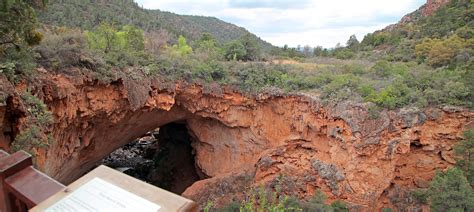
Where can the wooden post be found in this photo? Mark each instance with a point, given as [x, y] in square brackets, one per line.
[3, 197]
[22, 186]
[9, 165]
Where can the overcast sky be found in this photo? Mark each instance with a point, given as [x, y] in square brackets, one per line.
[297, 22]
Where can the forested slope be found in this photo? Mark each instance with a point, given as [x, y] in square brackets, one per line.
[440, 37]
[86, 14]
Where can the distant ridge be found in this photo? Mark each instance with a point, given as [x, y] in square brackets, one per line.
[87, 14]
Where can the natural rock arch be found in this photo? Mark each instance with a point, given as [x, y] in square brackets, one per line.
[268, 135]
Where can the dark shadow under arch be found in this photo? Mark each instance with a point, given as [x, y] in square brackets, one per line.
[164, 158]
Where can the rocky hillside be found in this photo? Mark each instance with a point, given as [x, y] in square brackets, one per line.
[439, 33]
[426, 10]
[87, 14]
[293, 141]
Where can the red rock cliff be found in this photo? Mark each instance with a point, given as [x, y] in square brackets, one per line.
[425, 10]
[242, 141]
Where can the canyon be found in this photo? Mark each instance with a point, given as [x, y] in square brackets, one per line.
[240, 141]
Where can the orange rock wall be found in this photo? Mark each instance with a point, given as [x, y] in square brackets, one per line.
[336, 148]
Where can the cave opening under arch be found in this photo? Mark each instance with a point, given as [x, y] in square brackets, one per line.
[163, 157]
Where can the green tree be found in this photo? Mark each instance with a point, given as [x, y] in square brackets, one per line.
[17, 34]
[376, 39]
[207, 48]
[108, 39]
[353, 43]
[318, 51]
[441, 52]
[104, 38]
[18, 23]
[120, 48]
[252, 49]
[132, 38]
[207, 37]
[182, 48]
[451, 192]
[235, 50]
[464, 150]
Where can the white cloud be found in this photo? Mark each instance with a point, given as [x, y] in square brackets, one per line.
[316, 22]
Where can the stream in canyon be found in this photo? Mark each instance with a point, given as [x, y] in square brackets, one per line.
[163, 157]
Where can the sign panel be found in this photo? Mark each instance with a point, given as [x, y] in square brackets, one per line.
[99, 195]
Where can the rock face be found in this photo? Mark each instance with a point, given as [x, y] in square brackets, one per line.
[241, 141]
[424, 11]
[432, 5]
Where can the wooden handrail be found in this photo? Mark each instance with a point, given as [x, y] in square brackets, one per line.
[22, 186]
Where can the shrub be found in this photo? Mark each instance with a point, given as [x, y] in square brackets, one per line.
[374, 111]
[344, 54]
[393, 96]
[208, 206]
[255, 77]
[18, 64]
[464, 150]
[29, 138]
[440, 52]
[339, 206]
[235, 51]
[382, 68]
[181, 48]
[232, 207]
[208, 72]
[341, 87]
[451, 192]
[124, 47]
[64, 47]
[317, 203]
[262, 199]
[8, 69]
[420, 195]
[39, 119]
[37, 109]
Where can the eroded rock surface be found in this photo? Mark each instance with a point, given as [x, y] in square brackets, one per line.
[241, 141]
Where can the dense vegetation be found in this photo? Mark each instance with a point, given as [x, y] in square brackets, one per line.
[18, 32]
[432, 74]
[444, 38]
[428, 60]
[387, 84]
[444, 41]
[126, 12]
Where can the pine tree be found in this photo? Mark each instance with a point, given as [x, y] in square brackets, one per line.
[18, 23]
[451, 192]
[353, 43]
[465, 151]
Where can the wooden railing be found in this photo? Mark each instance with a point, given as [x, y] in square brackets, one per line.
[22, 186]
